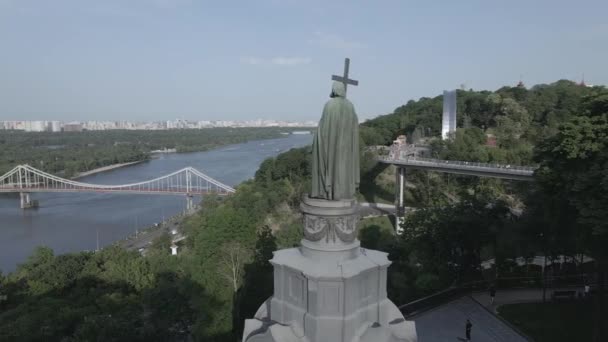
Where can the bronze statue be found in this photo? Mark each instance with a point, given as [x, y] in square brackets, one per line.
[335, 149]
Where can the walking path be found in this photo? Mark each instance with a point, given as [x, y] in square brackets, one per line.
[368, 209]
[447, 323]
[514, 296]
[376, 209]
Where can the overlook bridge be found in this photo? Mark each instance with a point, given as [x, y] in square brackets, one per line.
[514, 172]
[188, 181]
[405, 159]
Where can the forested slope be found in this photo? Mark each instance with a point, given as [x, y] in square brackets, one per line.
[222, 274]
[68, 153]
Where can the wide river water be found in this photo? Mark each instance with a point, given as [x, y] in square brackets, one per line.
[69, 222]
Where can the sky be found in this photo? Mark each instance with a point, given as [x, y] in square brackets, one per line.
[147, 60]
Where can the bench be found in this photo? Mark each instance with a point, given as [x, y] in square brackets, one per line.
[569, 294]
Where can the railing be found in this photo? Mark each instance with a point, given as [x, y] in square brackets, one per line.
[463, 165]
[428, 302]
[24, 178]
[562, 281]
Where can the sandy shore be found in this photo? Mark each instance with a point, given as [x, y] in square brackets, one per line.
[104, 169]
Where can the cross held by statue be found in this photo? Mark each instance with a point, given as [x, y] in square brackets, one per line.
[344, 79]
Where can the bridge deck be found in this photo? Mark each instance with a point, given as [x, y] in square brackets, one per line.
[143, 192]
[465, 168]
[187, 181]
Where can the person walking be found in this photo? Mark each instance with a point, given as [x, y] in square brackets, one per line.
[468, 327]
[587, 290]
[492, 294]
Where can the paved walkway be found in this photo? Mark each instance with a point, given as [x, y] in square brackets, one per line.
[514, 296]
[447, 323]
[376, 209]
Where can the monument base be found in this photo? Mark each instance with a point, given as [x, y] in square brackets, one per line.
[329, 289]
[341, 301]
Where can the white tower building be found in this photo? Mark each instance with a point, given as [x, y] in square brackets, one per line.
[448, 125]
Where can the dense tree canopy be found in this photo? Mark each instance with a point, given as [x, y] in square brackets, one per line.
[574, 177]
[222, 275]
[516, 115]
[120, 295]
[73, 152]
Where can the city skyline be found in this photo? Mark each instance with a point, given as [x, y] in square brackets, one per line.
[145, 60]
[76, 126]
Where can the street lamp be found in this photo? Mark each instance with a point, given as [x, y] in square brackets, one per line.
[544, 268]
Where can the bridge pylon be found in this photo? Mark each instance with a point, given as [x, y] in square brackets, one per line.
[188, 181]
[399, 199]
[26, 201]
[189, 202]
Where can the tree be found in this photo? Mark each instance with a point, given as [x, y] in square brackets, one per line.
[447, 241]
[232, 260]
[161, 244]
[467, 144]
[513, 124]
[417, 135]
[574, 168]
[258, 280]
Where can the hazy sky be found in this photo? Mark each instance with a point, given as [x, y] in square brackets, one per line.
[165, 59]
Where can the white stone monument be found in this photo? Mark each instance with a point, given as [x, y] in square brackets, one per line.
[329, 289]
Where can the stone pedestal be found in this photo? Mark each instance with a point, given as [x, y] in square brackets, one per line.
[329, 289]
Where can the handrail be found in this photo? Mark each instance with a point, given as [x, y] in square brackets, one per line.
[26, 170]
[464, 164]
[438, 298]
[422, 304]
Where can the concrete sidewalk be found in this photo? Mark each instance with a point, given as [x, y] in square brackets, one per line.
[513, 296]
[447, 323]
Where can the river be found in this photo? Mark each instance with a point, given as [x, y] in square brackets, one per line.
[69, 222]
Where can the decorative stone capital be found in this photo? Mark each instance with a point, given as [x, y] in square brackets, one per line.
[330, 222]
[330, 228]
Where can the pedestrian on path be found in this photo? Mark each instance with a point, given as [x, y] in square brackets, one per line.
[492, 294]
[468, 327]
[587, 290]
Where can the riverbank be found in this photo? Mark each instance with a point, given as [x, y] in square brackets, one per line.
[105, 168]
[143, 238]
[71, 222]
[155, 154]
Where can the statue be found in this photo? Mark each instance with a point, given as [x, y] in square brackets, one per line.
[335, 149]
[328, 288]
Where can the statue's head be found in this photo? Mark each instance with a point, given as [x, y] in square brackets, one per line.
[338, 90]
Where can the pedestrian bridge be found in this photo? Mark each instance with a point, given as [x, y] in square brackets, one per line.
[525, 173]
[188, 181]
[404, 160]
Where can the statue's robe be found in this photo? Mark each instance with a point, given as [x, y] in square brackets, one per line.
[335, 149]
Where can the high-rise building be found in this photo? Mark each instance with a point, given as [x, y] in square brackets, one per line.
[448, 126]
[35, 126]
[72, 127]
[55, 126]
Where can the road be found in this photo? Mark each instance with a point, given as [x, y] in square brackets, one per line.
[145, 238]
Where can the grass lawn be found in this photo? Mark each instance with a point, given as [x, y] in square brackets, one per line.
[552, 322]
